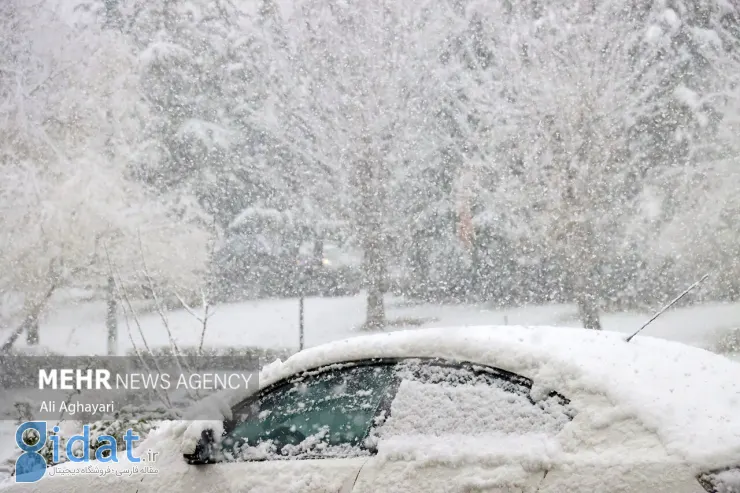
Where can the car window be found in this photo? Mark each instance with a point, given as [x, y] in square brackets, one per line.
[439, 399]
[322, 414]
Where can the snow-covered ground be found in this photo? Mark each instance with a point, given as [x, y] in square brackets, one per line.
[78, 329]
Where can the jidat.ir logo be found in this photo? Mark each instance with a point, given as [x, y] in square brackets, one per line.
[31, 437]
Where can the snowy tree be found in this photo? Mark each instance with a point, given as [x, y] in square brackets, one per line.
[201, 74]
[351, 104]
[523, 152]
[556, 103]
[68, 118]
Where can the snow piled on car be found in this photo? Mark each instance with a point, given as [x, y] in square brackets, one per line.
[689, 397]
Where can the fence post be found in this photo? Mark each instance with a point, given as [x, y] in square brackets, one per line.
[111, 320]
[300, 323]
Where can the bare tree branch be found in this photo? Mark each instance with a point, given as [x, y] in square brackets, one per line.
[165, 321]
[123, 296]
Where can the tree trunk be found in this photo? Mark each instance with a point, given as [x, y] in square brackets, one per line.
[585, 289]
[588, 311]
[375, 319]
[111, 320]
[32, 330]
[318, 250]
[375, 268]
[30, 321]
[370, 191]
[418, 276]
[584, 272]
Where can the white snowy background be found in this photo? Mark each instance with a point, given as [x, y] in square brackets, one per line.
[464, 162]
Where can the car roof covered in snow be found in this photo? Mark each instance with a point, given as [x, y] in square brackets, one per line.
[688, 396]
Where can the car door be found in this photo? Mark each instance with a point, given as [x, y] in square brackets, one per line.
[456, 427]
[307, 434]
[603, 433]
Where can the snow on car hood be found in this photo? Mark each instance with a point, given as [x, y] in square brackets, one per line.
[688, 396]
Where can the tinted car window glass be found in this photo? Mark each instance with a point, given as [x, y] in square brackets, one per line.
[325, 414]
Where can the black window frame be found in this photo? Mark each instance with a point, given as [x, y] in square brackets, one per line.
[384, 407]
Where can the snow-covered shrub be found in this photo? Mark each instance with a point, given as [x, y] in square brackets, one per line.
[23, 408]
[728, 342]
[139, 421]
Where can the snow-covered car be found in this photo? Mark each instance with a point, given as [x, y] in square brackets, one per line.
[327, 269]
[466, 409]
